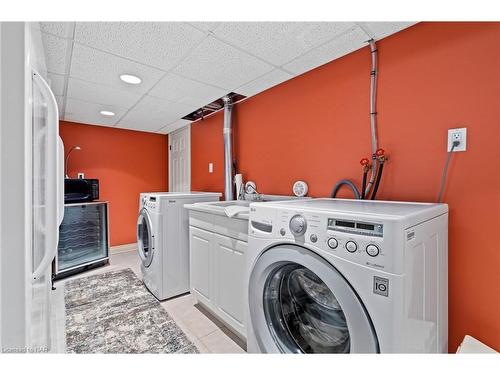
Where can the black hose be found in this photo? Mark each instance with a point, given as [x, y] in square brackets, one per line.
[377, 181]
[363, 185]
[348, 183]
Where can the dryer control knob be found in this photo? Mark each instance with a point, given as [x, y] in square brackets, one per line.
[298, 225]
[332, 243]
[372, 250]
[351, 246]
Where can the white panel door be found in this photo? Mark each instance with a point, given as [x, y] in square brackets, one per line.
[179, 157]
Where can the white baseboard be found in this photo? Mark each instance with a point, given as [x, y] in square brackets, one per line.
[123, 248]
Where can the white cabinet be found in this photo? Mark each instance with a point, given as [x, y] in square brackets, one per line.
[218, 268]
[200, 247]
[229, 273]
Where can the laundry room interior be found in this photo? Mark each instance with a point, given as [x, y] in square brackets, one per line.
[256, 187]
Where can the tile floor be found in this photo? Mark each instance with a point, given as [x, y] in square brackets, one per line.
[204, 330]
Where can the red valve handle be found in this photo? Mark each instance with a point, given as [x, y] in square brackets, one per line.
[380, 152]
[364, 162]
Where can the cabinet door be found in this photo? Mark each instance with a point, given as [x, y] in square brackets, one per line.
[200, 264]
[231, 274]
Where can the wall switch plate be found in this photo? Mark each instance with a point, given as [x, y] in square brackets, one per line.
[210, 167]
[81, 175]
[459, 134]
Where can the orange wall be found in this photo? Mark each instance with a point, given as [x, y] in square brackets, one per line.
[125, 162]
[433, 76]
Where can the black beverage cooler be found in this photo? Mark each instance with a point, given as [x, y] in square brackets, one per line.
[83, 238]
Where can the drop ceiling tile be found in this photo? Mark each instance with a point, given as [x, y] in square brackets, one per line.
[159, 44]
[279, 42]
[62, 29]
[152, 114]
[179, 89]
[173, 126]
[56, 82]
[265, 82]
[143, 121]
[152, 105]
[56, 50]
[340, 46]
[379, 30]
[103, 68]
[88, 113]
[219, 64]
[91, 92]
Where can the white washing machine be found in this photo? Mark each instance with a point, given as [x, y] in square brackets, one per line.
[347, 276]
[163, 240]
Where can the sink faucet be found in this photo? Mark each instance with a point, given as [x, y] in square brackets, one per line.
[252, 194]
[255, 197]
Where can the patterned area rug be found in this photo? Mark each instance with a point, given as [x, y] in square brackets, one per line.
[114, 313]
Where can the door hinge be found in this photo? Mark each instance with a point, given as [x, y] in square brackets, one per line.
[170, 147]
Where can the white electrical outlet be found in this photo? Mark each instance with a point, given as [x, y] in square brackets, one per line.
[460, 135]
[210, 167]
[81, 175]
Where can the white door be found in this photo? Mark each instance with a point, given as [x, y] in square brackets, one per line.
[179, 158]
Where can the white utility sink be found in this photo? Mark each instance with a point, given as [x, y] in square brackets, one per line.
[236, 209]
[231, 203]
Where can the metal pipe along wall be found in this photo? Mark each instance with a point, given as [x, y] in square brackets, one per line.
[228, 149]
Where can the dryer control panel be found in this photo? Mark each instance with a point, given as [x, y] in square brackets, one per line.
[363, 240]
[356, 227]
[149, 202]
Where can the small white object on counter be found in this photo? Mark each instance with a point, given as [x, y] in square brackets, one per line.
[470, 345]
[238, 182]
[300, 188]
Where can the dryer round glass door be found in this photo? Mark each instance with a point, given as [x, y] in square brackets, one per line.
[145, 238]
[300, 303]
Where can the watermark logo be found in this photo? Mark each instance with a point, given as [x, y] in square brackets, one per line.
[34, 349]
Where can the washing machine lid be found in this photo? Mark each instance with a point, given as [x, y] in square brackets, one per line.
[145, 237]
[300, 303]
[183, 194]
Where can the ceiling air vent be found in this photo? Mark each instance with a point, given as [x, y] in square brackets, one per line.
[212, 107]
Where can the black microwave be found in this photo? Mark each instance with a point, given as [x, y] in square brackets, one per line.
[81, 190]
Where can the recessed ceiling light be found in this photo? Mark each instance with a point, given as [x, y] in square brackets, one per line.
[129, 78]
[107, 113]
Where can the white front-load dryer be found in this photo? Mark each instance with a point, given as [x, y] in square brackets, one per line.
[347, 276]
[163, 240]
